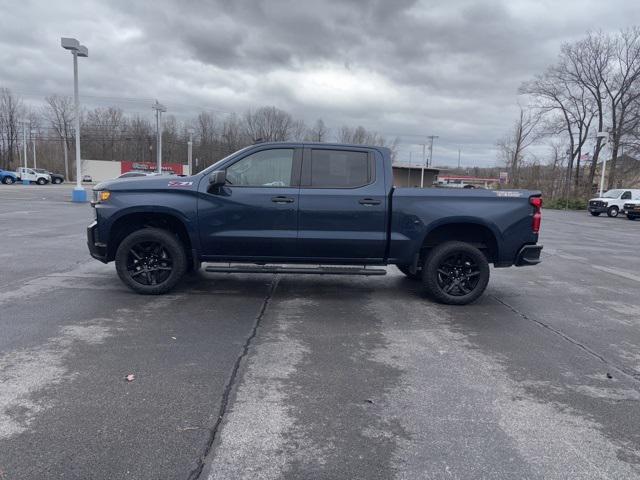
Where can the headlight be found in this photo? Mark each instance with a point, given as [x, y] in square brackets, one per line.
[605, 204]
[100, 196]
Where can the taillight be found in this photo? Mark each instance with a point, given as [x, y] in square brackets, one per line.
[537, 213]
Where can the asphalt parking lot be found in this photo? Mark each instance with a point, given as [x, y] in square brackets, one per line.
[277, 376]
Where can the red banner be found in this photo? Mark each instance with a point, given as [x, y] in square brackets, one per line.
[126, 166]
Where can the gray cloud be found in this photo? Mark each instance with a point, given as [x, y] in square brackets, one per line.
[449, 68]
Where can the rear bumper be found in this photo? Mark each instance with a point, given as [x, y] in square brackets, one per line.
[528, 255]
[96, 249]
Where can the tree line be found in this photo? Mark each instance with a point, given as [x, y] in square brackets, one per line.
[582, 108]
[108, 133]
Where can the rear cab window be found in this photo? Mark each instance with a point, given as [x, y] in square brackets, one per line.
[329, 168]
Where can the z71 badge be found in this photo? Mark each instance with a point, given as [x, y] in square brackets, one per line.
[177, 183]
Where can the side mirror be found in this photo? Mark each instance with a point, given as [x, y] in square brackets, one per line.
[218, 178]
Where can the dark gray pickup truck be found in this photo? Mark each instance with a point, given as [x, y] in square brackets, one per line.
[281, 207]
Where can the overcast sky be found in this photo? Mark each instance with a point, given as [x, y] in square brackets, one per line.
[449, 68]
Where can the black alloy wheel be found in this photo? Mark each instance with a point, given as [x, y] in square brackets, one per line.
[151, 261]
[456, 273]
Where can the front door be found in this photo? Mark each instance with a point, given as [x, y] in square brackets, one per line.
[255, 215]
[343, 205]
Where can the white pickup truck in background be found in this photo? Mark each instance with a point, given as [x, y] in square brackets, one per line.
[32, 176]
[612, 202]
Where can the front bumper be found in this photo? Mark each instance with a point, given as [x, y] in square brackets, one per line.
[96, 249]
[598, 209]
[528, 255]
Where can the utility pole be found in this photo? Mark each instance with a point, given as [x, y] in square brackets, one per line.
[431, 139]
[190, 152]
[424, 160]
[159, 108]
[458, 158]
[66, 159]
[33, 145]
[24, 146]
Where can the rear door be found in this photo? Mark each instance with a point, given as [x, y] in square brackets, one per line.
[342, 212]
[256, 214]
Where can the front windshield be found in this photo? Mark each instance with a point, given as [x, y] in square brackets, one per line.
[612, 194]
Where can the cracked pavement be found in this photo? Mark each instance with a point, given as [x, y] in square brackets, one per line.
[269, 377]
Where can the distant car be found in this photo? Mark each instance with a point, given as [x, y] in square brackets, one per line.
[7, 177]
[133, 173]
[612, 201]
[29, 174]
[87, 178]
[137, 173]
[632, 209]
[56, 178]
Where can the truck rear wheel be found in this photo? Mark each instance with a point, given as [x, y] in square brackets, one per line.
[151, 261]
[455, 273]
[406, 269]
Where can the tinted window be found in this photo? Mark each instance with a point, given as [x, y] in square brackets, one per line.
[626, 196]
[266, 168]
[340, 169]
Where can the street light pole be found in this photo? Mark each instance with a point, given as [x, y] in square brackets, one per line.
[159, 108]
[604, 135]
[24, 146]
[77, 50]
[190, 152]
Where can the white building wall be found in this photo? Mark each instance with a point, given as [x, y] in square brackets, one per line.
[101, 170]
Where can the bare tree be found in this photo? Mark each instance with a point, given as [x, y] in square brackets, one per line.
[623, 90]
[10, 111]
[514, 144]
[269, 124]
[319, 132]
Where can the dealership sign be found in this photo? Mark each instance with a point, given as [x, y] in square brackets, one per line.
[126, 166]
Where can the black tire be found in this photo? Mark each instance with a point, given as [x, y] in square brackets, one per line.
[151, 261]
[595, 214]
[56, 181]
[613, 211]
[41, 181]
[406, 270]
[455, 273]
[8, 180]
[631, 217]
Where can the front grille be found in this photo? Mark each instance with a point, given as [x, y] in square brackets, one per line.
[596, 203]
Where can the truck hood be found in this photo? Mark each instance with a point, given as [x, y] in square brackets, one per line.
[149, 183]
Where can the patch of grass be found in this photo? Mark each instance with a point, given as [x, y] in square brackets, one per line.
[561, 204]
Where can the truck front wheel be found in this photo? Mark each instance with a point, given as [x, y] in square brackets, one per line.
[455, 273]
[151, 261]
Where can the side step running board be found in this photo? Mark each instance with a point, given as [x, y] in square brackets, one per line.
[320, 270]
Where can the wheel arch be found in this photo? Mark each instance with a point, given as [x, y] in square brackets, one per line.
[132, 220]
[480, 234]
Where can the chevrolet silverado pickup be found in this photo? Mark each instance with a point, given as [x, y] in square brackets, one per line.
[311, 208]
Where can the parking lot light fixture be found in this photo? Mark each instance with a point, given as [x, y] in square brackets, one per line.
[77, 50]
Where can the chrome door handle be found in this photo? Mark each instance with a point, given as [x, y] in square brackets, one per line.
[369, 202]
